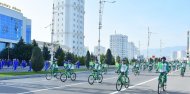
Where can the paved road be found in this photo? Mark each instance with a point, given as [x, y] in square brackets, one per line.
[145, 83]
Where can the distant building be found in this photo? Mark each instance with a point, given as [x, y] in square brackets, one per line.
[102, 50]
[179, 55]
[69, 25]
[118, 45]
[132, 50]
[13, 26]
[174, 55]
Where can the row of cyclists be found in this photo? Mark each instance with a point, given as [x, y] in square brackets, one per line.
[162, 66]
[173, 65]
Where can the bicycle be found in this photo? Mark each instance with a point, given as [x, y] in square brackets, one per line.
[122, 80]
[50, 74]
[150, 68]
[68, 74]
[161, 83]
[182, 71]
[104, 69]
[136, 71]
[95, 76]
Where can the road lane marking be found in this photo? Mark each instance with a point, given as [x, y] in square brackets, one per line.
[60, 87]
[136, 85]
[141, 83]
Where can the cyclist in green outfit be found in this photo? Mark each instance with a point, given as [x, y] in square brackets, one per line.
[54, 67]
[91, 64]
[163, 69]
[97, 67]
[183, 65]
[123, 67]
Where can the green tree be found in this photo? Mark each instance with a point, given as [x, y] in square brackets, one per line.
[102, 58]
[82, 60]
[27, 52]
[113, 61]
[108, 58]
[34, 43]
[92, 57]
[61, 58]
[5, 52]
[118, 59]
[37, 59]
[46, 53]
[87, 59]
[58, 52]
[19, 49]
[69, 56]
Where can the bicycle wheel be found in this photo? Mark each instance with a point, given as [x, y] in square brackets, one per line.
[164, 87]
[73, 76]
[127, 82]
[100, 78]
[63, 77]
[118, 85]
[91, 79]
[159, 87]
[49, 75]
[58, 75]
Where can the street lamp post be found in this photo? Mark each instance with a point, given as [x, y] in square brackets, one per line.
[149, 34]
[101, 6]
[188, 46]
[52, 33]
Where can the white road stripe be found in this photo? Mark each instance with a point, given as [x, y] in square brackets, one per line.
[141, 83]
[60, 87]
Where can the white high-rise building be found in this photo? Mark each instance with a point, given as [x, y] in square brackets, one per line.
[131, 50]
[174, 55]
[181, 55]
[102, 50]
[118, 45]
[69, 24]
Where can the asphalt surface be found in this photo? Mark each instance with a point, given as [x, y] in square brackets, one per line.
[145, 83]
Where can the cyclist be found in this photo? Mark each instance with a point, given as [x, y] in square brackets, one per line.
[137, 65]
[163, 69]
[150, 66]
[123, 67]
[158, 64]
[91, 65]
[54, 67]
[183, 65]
[97, 67]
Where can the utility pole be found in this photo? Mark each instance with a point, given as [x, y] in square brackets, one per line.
[149, 34]
[52, 33]
[101, 6]
[188, 46]
[139, 48]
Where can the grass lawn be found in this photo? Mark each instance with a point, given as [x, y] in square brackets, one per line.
[10, 74]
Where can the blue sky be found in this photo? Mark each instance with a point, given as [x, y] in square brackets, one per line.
[167, 19]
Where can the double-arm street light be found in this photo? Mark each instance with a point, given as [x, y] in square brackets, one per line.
[101, 6]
